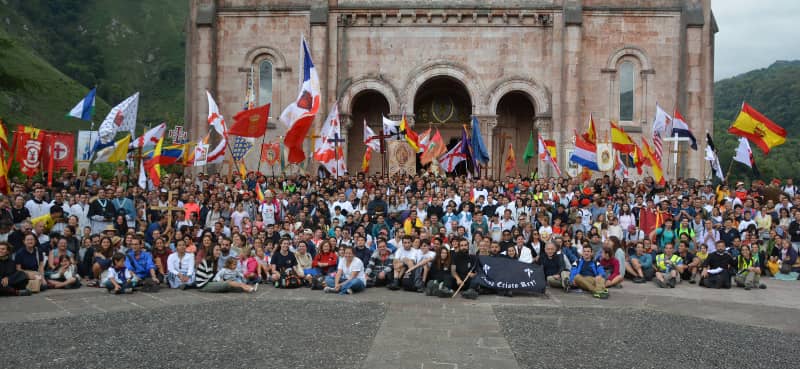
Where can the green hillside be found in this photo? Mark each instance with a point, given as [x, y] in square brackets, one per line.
[775, 92]
[119, 46]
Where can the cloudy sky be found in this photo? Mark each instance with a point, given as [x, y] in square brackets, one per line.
[753, 34]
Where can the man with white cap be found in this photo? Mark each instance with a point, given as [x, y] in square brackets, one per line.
[270, 209]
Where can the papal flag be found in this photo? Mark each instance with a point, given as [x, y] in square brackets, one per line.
[118, 151]
[757, 128]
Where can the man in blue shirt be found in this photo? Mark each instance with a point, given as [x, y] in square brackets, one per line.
[140, 262]
[588, 275]
[641, 265]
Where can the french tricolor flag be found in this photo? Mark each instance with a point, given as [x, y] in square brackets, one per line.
[681, 129]
[299, 115]
[585, 154]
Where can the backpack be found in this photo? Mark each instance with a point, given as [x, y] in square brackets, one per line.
[413, 281]
[289, 280]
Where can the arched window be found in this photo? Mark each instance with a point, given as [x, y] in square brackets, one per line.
[264, 82]
[626, 90]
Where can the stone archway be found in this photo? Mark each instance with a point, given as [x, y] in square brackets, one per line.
[515, 122]
[372, 106]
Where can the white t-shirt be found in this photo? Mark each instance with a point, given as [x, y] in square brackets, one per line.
[355, 266]
[411, 253]
[428, 255]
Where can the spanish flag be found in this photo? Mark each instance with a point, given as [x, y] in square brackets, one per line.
[620, 140]
[591, 133]
[153, 165]
[650, 158]
[4, 187]
[365, 161]
[4, 138]
[756, 127]
[411, 136]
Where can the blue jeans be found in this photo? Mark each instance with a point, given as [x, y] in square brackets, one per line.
[355, 284]
[110, 286]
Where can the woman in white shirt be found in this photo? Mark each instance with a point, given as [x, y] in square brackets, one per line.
[350, 277]
[180, 267]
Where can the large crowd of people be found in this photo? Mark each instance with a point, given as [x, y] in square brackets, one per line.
[416, 233]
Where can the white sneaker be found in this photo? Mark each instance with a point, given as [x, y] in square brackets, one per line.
[255, 287]
[329, 290]
[349, 291]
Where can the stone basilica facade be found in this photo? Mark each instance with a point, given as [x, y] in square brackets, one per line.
[519, 66]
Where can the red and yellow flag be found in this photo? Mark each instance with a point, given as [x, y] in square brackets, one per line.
[411, 137]
[4, 187]
[649, 156]
[620, 140]
[511, 160]
[756, 127]
[591, 133]
[365, 161]
[4, 138]
[259, 193]
[153, 166]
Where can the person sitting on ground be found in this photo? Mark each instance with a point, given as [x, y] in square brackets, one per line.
[65, 275]
[119, 279]
[440, 279]
[248, 265]
[230, 273]
[691, 263]
[668, 266]
[140, 262]
[717, 268]
[640, 265]
[463, 269]
[555, 269]
[748, 271]
[788, 257]
[282, 261]
[31, 260]
[180, 267]
[381, 266]
[611, 267]
[404, 258]
[305, 263]
[326, 259]
[588, 275]
[350, 277]
[419, 271]
[207, 270]
[522, 252]
[262, 259]
[13, 282]
[53, 260]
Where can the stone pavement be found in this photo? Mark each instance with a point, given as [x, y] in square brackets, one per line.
[414, 331]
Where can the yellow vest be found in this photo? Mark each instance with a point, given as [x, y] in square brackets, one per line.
[663, 266]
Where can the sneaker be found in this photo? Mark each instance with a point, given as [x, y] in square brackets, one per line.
[671, 283]
[762, 286]
[182, 287]
[599, 295]
[329, 290]
[747, 287]
[470, 294]
[429, 288]
[660, 284]
[27, 292]
[349, 291]
[255, 287]
[394, 286]
[638, 280]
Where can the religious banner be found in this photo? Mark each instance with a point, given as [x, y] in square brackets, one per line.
[605, 157]
[28, 146]
[402, 158]
[270, 153]
[509, 274]
[86, 141]
[200, 154]
[58, 151]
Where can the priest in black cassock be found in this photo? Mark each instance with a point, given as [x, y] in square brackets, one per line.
[101, 211]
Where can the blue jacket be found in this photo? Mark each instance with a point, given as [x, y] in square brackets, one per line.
[141, 266]
[576, 268]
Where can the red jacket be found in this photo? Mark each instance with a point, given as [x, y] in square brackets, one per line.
[329, 258]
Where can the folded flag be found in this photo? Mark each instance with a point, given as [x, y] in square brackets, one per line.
[366, 159]
[85, 108]
[479, 152]
[711, 156]
[757, 128]
[658, 173]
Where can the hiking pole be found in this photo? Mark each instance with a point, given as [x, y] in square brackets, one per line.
[464, 281]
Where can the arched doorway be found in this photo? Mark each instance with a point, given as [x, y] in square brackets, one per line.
[442, 103]
[372, 106]
[515, 116]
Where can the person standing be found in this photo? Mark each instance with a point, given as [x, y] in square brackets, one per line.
[101, 212]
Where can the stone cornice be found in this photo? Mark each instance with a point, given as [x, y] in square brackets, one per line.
[444, 17]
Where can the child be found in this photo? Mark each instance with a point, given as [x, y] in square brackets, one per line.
[248, 266]
[118, 279]
[65, 275]
[263, 263]
[230, 273]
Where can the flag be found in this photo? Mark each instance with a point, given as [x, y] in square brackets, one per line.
[4, 138]
[481, 155]
[172, 154]
[411, 136]
[241, 147]
[436, 148]
[259, 194]
[450, 159]
[621, 170]
[744, 155]
[661, 122]
[658, 146]
[365, 161]
[511, 160]
[370, 138]
[28, 142]
[249, 91]
[424, 140]
[509, 274]
[591, 132]
[150, 137]
[153, 165]
[585, 154]
[681, 129]
[85, 108]
[757, 128]
[638, 158]
[142, 182]
[658, 173]
[547, 150]
[711, 156]
[466, 149]
[199, 156]
[4, 187]
[118, 151]
[390, 127]
[217, 154]
[251, 122]
[215, 118]
[529, 153]
[121, 118]
[299, 115]
[328, 149]
[620, 140]
[58, 151]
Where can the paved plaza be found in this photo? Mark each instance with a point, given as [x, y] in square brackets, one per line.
[639, 326]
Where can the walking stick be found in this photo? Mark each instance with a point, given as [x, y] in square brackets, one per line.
[464, 281]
